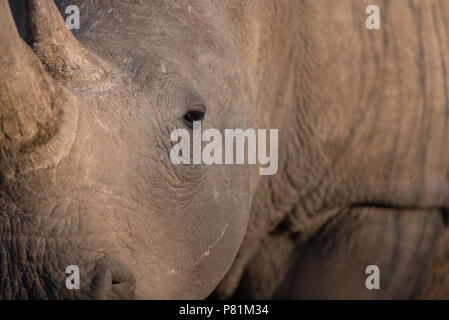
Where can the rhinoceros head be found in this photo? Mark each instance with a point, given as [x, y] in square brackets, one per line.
[86, 177]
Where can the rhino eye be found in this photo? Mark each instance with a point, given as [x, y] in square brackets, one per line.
[194, 115]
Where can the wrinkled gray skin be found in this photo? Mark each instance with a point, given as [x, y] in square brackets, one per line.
[363, 123]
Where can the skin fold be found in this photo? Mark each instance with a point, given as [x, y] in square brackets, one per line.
[85, 174]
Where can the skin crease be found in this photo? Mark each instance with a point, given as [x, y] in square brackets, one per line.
[362, 119]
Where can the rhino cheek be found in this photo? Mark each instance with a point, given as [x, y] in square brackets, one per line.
[191, 241]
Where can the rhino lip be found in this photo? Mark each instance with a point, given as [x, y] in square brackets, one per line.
[113, 280]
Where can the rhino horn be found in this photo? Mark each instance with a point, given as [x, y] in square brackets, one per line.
[26, 101]
[63, 55]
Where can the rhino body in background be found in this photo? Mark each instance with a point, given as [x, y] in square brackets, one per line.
[85, 174]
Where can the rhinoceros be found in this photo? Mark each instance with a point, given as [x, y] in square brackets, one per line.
[86, 179]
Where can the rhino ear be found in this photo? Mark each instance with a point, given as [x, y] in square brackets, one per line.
[56, 46]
